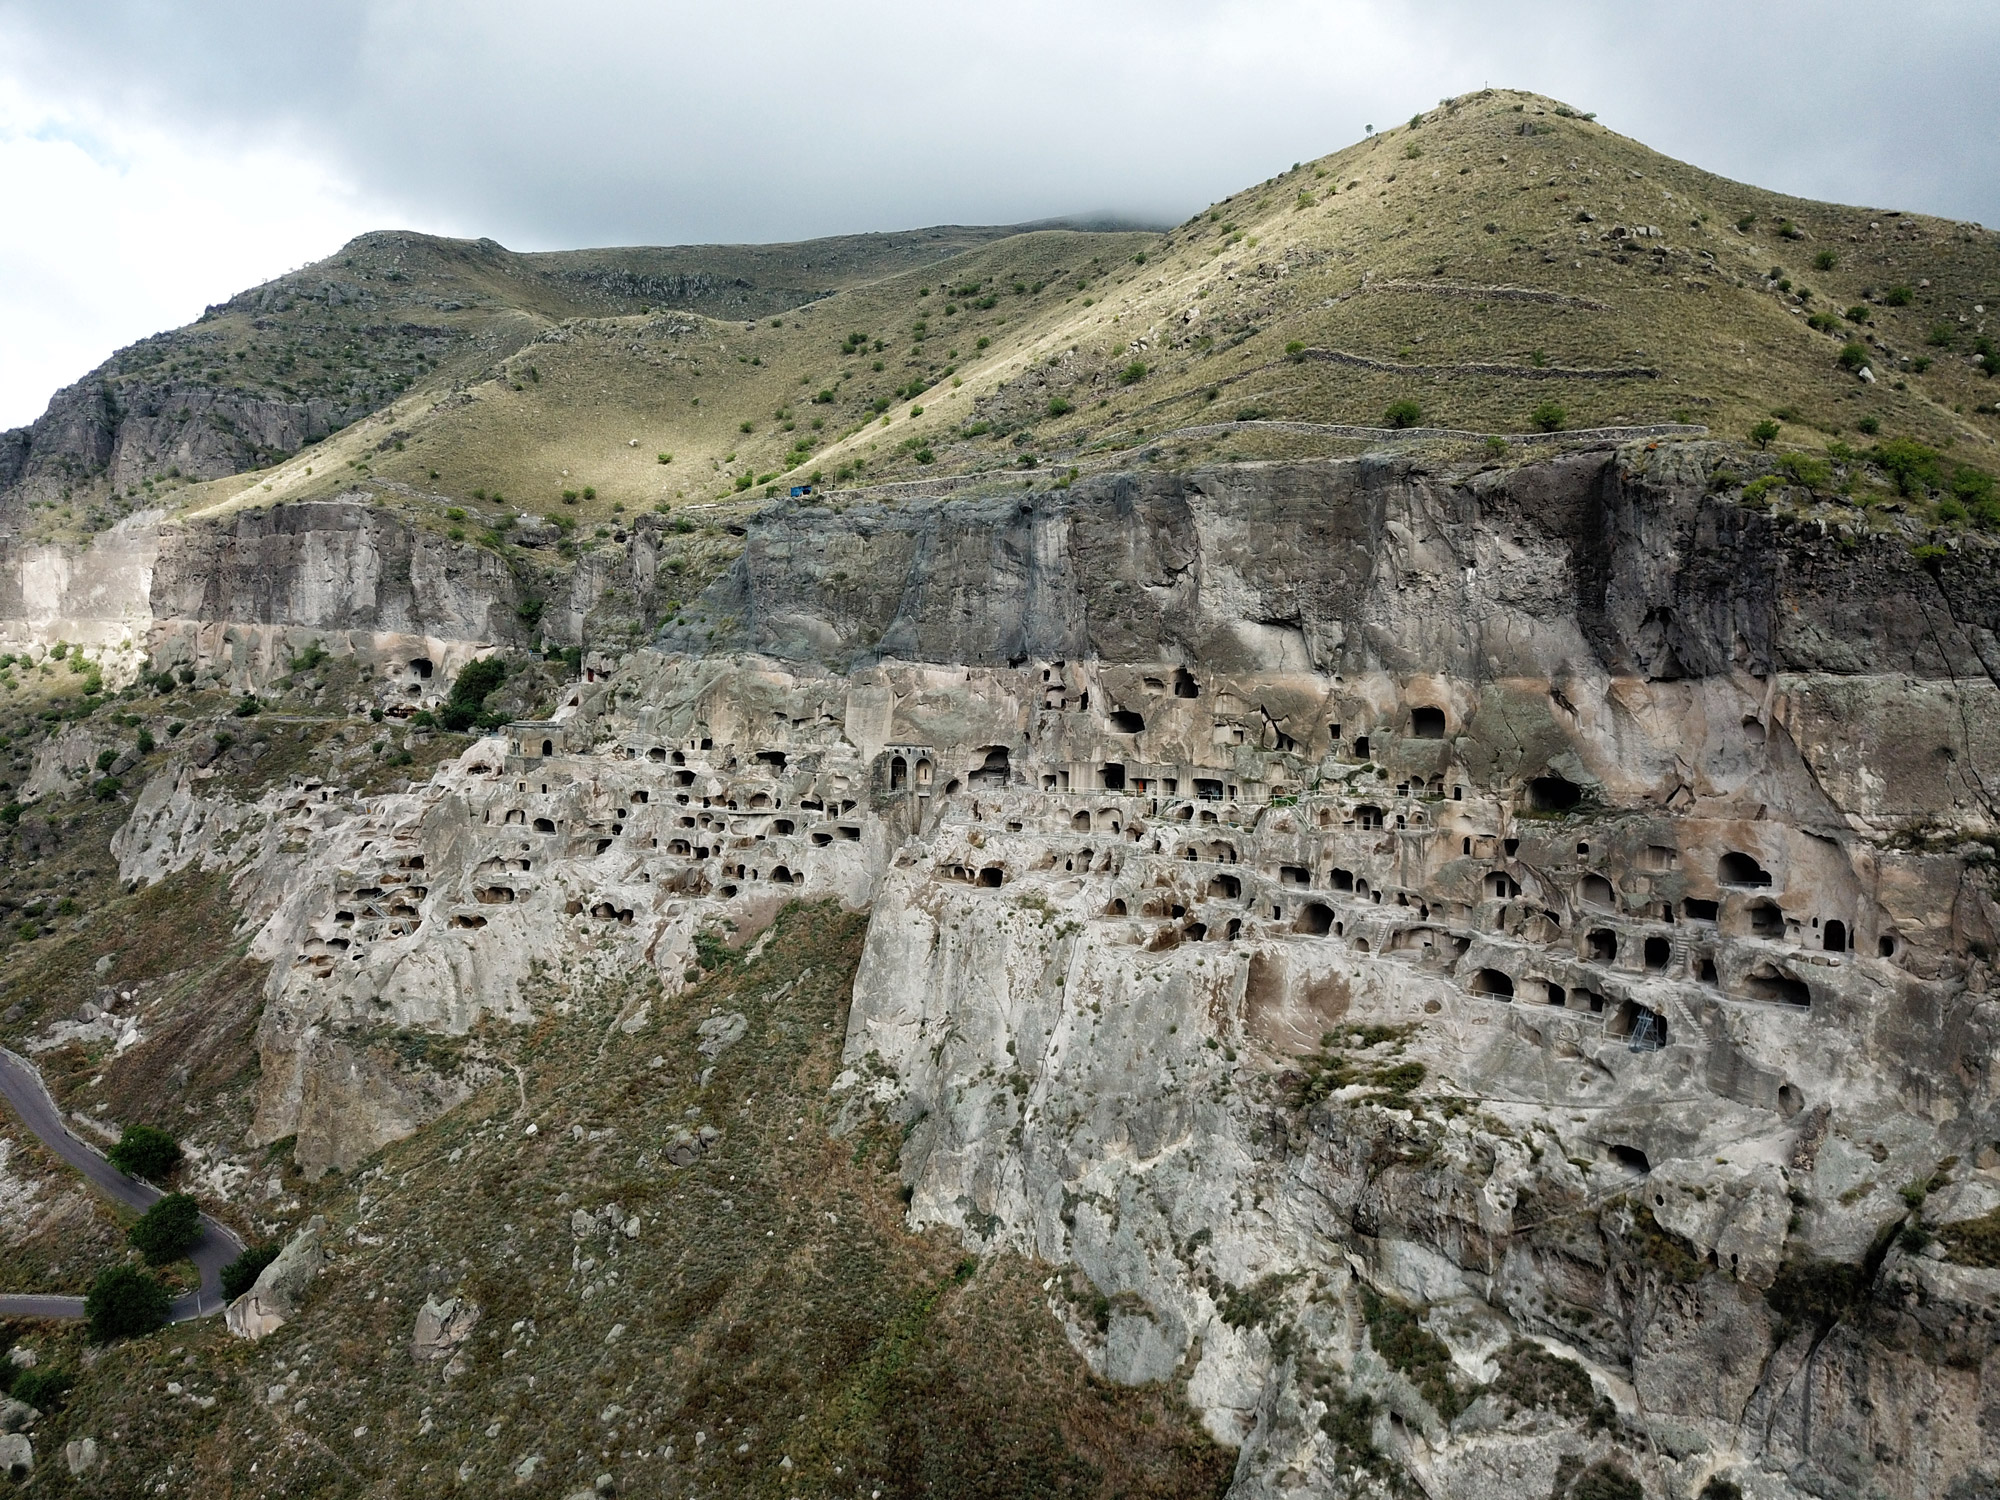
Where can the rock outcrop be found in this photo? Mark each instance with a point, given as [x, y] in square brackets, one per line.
[274, 1299]
[1400, 943]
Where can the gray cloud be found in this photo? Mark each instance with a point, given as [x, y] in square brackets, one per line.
[607, 121]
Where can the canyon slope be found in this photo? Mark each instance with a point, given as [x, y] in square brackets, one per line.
[1426, 927]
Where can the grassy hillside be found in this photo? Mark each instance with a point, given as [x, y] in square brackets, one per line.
[1499, 264]
[282, 365]
[758, 1322]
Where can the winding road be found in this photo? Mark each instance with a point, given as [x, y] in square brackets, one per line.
[21, 1083]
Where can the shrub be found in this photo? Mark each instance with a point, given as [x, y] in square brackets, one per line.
[1914, 467]
[1869, 425]
[249, 708]
[1406, 1345]
[1823, 322]
[1813, 473]
[569, 497]
[1853, 356]
[590, 492]
[1787, 230]
[1941, 335]
[145, 1151]
[106, 759]
[1817, 1293]
[1496, 447]
[41, 1389]
[107, 789]
[1399, 414]
[1764, 433]
[1059, 407]
[1531, 1377]
[167, 1230]
[241, 1273]
[1857, 313]
[1549, 416]
[124, 1302]
[1743, 224]
[1899, 295]
[1605, 1480]
[1826, 260]
[315, 654]
[1133, 373]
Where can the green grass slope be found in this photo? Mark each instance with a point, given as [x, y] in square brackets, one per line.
[1500, 264]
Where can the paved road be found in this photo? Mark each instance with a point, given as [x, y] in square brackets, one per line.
[21, 1083]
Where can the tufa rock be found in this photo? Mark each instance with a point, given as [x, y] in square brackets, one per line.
[269, 1304]
[442, 1327]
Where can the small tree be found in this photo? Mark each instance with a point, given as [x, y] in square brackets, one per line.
[167, 1230]
[466, 707]
[1550, 416]
[143, 1151]
[1764, 433]
[124, 1302]
[1854, 356]
[241, 1273]
[1401, 414]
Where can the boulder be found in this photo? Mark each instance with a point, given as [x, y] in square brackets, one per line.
[720, 1033]
[689, 1146]
[80, 1454]
[17, 1456]
[442, 1327]
[268, 1305]
[16, 1416]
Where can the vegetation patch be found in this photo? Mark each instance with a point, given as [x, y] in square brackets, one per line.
[1407, 1346]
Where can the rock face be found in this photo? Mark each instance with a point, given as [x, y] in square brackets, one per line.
[274, 1299]
[1455, 969]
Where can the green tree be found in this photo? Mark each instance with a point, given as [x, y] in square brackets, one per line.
[1550, 416]
[1764, 433]
[466, 707]
[144, 1151]
[241, 1273]
[1404, 413]
[124, 1302]
[167, 1230]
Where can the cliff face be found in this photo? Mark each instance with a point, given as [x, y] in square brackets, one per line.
[1627, 565]
[1397, 941]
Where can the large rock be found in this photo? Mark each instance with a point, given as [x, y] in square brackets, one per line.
[442, 1327]
[17, 1456]
[80, 1454]
[274, 1299]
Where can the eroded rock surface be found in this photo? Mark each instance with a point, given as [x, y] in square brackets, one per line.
[1460, 971]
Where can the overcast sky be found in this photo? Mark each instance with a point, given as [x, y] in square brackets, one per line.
[157, 156]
